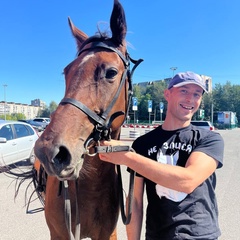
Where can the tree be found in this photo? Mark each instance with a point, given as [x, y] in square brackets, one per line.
[153, 91]
[47, 111]
[156, 90]
[143, 106]
[14, 116]
[224, 97]
[227, 98]
[18, 116]
[208, 102]
[52, 106]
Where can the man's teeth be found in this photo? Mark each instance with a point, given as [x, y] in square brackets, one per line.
[187, 107]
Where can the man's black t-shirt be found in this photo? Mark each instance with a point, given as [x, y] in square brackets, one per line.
[172, 214]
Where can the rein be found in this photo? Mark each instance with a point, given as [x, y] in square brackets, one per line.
[102, 131]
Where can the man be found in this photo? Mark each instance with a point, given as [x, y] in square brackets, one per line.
[176, 162]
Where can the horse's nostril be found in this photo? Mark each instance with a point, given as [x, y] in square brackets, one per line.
[63, 156]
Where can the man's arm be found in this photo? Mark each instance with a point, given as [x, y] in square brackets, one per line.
[198, 168]
[135, 226]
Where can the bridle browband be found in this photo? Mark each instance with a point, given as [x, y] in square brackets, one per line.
[103, 123]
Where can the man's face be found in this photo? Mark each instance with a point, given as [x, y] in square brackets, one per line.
[184, 101]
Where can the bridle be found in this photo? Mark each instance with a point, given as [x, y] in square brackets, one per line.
[102, 130]
[102, 122]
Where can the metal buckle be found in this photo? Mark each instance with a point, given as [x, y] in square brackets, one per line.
[88, 143]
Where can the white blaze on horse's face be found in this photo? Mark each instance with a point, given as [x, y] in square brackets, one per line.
[86, 58]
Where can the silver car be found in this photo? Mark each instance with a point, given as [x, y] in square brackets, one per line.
[17, 140]
[203, 124]
[44, 121]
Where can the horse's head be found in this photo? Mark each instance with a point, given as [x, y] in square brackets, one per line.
[96, 97]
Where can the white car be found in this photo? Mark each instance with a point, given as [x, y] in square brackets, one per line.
[17, 141]
[203, 124]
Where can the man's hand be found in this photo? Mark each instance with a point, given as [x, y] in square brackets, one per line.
[111, 155]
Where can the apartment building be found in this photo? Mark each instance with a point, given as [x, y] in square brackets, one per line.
[30, 111]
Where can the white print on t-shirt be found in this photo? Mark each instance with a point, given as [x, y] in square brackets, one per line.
[152, 150]
[164, 191]
[173, 145]
[181, 146]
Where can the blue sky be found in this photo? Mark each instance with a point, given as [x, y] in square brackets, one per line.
[36, 42]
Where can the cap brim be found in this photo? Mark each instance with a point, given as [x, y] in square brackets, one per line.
[190, 82]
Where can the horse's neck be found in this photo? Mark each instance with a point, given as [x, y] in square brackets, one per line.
[96, 174]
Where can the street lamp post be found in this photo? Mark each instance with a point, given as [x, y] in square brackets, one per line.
[173, 69]
[5, 85]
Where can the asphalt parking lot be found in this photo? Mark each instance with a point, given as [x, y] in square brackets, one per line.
[16, 224]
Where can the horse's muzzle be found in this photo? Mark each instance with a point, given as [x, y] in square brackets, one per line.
[58, 161]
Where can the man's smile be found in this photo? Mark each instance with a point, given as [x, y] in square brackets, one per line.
[186, 107]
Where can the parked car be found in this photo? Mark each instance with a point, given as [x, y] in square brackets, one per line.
[17, 140]
[44, 121]
[38, 126]
[203, 124]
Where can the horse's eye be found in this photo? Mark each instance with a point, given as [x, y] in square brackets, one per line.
[111, 73]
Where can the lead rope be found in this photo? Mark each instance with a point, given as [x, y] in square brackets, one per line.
[67, 212]
[78, 226]
[126, 214]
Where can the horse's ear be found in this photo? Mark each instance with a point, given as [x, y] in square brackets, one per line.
[78, 34]
[118, 23]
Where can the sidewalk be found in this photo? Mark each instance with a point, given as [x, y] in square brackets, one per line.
[130, 134]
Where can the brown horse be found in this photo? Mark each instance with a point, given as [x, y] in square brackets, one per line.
[98, 83]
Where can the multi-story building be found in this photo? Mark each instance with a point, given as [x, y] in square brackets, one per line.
[30, 111]
[38, 103]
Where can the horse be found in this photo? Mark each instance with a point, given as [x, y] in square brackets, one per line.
[96, 100]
